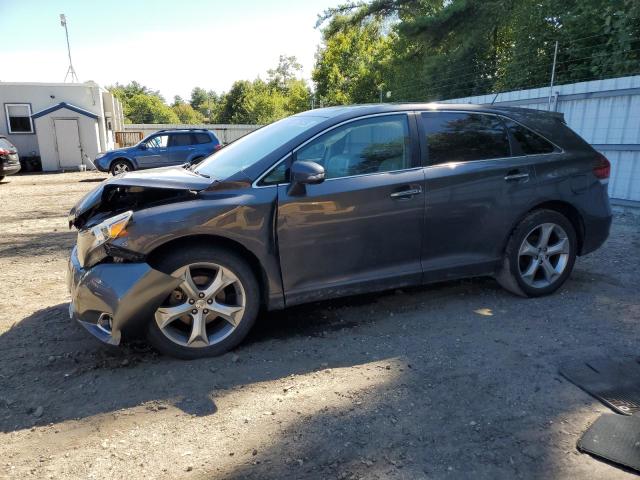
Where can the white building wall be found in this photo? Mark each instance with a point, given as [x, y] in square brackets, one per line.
[606, 113]
[88, 96]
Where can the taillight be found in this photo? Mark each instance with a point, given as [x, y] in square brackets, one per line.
[602, 170]
[217, 147]
[4, 152]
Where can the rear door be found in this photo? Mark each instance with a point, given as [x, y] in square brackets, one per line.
[181, 146]
[475, 191]
[361, 229]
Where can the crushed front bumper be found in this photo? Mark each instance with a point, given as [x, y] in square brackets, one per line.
[109, 297]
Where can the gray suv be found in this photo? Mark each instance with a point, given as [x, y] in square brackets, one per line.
[335, 202]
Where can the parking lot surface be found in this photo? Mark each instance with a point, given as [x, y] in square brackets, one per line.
[454, 380]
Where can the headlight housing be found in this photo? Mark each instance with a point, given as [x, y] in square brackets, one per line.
[100, 155]
[111, 228]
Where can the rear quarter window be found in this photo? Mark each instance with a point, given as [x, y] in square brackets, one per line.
[200, 138]
[527, 142]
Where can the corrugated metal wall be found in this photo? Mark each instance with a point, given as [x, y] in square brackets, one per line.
[225, 133]
[606, 113]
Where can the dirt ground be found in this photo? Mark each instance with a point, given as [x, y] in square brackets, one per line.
[455, 380]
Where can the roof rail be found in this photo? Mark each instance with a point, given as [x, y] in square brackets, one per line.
[183, 129]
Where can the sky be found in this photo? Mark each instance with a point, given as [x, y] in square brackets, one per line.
[167, 45]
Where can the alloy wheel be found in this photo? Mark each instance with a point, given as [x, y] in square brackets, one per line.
[119, 168]
[205, 308]
[543, 255]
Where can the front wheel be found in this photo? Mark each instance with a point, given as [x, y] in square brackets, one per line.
[121, 166]
[540, 254]
[212, 310]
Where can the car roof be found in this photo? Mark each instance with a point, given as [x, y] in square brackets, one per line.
[348, 111]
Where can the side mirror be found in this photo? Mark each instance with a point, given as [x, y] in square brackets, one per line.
[305, 173]
[142, 146]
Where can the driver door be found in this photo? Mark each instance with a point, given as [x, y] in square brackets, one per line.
[157, 149]
[361, 229]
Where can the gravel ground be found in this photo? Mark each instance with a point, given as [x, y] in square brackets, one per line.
[454, 380]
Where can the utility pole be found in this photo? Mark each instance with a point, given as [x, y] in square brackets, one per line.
[553, 74]
[70, 71]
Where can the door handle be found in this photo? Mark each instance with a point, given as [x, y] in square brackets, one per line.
[516, 176]
[406, 193]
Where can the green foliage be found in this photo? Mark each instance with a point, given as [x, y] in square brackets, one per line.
[285, 72]
[349, 66]
[437, 49]
[251, 102]
[186, 114]
[260, 102]
[143, 108]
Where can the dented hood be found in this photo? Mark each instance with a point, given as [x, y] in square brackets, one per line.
[135, 190]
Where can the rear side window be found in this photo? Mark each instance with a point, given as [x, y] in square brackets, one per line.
[462, 137]
[200, 138]
[527, 142]
[180, 139]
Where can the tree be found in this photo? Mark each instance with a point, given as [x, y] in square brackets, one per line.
[453, 48]
[287, 70]
[127, 92]
[260, 102]
[143, 108]
[350, 63]
[187, 114]
[205, 102]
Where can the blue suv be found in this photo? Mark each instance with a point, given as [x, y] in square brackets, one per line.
[160, 149]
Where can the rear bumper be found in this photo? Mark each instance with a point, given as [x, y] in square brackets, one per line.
[9, 168]
[597, 217]
[596, 232]
[111, 297]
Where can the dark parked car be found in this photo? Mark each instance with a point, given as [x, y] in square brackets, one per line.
[160, 149]
[9, 161]
[334, 202]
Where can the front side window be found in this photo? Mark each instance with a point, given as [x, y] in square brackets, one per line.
[462, 137]
[371, 145]
[280, 174]
[159, 141]
[19, 117]
[526, 141]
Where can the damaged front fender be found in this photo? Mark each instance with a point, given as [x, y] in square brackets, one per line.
[123, 293]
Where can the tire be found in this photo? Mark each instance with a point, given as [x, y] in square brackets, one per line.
[1, 178]
[176, 337]
[120, 166]
[519, 273]
[196, 160]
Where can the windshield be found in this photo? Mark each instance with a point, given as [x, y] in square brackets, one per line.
[253, 147]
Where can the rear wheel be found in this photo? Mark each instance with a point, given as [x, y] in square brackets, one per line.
[1, 178]
[540, 254]
[121, 166]
[212, 310]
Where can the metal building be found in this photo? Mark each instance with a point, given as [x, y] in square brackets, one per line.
[606, 113]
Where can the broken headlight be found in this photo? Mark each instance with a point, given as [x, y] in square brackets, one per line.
[111, 228]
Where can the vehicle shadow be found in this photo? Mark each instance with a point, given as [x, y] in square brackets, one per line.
[34, 244]
[53, 363]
